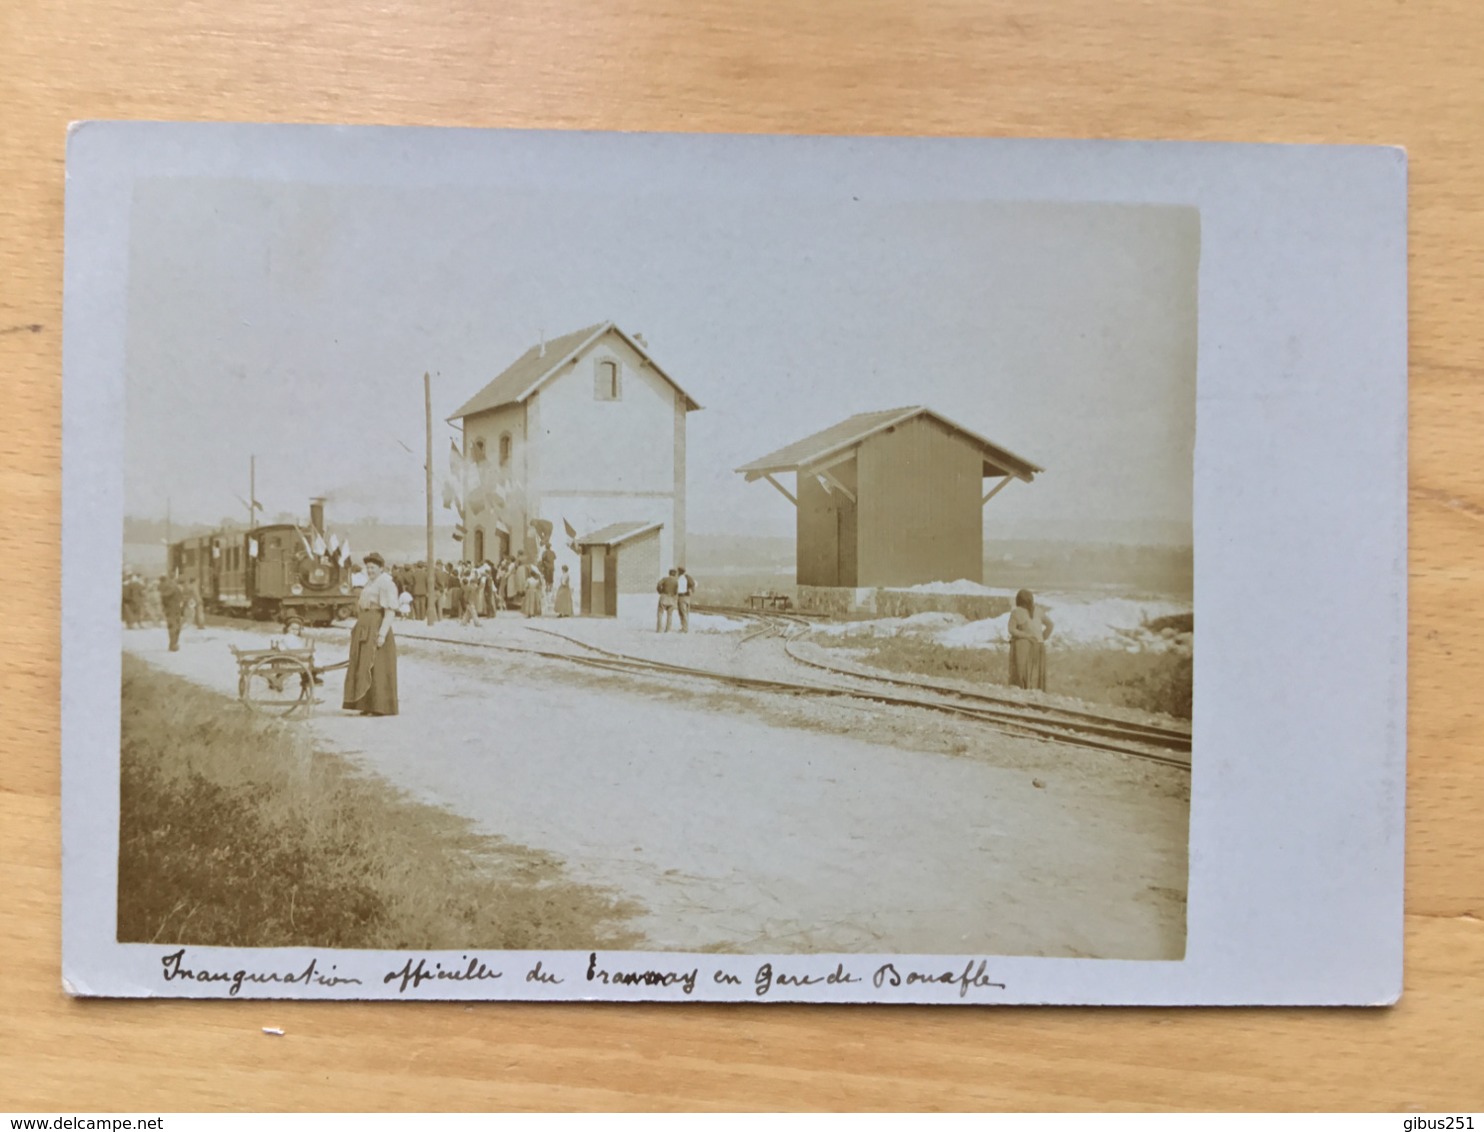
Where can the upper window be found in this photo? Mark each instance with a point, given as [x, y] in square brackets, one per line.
[479, 451]
[504, 449]
[607, 387]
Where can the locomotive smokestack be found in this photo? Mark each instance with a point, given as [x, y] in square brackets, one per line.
[317, 514]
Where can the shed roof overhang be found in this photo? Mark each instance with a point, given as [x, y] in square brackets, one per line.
[616, 534]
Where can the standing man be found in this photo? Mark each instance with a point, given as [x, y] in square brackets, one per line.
[686, 586]
[420, 591]
[437, 591]
[669, 588]
[198, 603]
[172, 605]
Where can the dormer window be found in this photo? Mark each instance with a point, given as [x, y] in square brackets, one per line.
[607, 387]
[504, 450]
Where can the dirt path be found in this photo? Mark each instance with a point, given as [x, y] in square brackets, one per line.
[766, 823]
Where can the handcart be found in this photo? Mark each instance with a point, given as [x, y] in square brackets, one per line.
[279, 680]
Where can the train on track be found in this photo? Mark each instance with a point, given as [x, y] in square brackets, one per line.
[278, 572]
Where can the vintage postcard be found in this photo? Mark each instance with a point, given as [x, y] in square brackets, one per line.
[506, 565]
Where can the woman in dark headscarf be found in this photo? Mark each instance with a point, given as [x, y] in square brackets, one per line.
[1029, 628]
[371, 679]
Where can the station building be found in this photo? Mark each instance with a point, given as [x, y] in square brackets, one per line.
[587, 432]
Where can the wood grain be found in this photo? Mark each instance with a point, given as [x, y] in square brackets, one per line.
[1268, 70]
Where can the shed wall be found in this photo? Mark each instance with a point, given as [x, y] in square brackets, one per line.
[921, 519]
[639, 565]
[826, 536]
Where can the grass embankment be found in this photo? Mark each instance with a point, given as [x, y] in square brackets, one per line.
[1150, 681]
[235, 831]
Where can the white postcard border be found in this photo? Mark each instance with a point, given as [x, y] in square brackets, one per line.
[1297, 808]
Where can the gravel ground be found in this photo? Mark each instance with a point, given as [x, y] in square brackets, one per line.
[763, 822]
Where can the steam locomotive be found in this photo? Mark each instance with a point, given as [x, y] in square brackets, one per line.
[276, 572]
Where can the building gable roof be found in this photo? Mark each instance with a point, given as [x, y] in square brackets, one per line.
[540, 364]
[852, 431]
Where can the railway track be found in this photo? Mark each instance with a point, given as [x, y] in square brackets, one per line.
[1082, 729]
[1001, 708]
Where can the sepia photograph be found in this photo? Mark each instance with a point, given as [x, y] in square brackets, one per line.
[602, 569]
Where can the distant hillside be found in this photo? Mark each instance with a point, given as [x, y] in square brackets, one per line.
[1010, 563]
[716, 555]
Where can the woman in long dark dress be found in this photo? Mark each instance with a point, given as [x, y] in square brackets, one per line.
[1028, 630]
[371, 679]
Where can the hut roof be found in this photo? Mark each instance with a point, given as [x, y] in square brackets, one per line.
[852, 431]
[615, 534]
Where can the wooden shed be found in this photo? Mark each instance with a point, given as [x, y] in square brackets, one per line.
[622, 558]
[891, 498]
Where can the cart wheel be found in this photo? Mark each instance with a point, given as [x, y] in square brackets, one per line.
[278, 686]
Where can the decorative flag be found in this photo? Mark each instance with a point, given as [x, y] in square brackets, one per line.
[335, 545]
[571, 530]
[309, 550]
[319, 545]
[345, 551]
[453, 486]
[252, 548]
[458, 532]
[490, 485]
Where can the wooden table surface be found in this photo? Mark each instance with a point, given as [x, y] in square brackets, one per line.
[1262, 70]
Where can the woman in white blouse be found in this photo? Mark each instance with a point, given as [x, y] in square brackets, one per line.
[371, 679]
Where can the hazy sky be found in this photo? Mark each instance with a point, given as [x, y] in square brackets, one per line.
[295, 322]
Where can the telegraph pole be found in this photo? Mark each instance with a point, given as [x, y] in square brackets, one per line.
[428, 415]
[252, 492]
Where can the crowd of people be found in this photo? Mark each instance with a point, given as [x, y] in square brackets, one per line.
[161, 601]
[467, 591]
